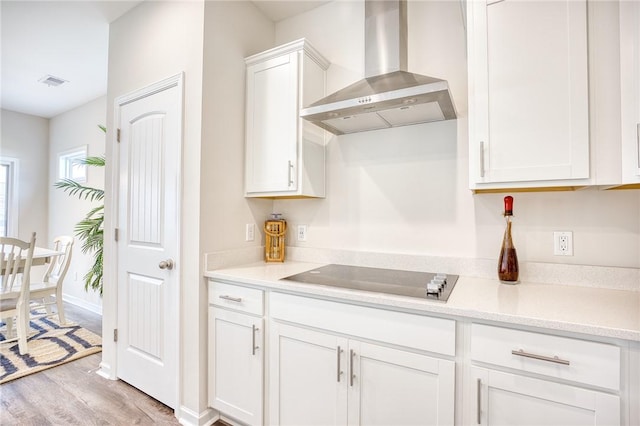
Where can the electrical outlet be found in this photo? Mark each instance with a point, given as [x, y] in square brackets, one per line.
[563, 243]
[250, 232]
[302, 232]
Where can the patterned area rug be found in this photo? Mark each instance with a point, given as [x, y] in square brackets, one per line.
[49, 343]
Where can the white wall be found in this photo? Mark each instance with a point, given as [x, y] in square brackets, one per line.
[154, 41]
[233, 31]
[25, 137]
[405, 190]
[70, 130]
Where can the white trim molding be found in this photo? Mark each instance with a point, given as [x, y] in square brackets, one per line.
[13, 201]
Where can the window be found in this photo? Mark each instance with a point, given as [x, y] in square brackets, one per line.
[8, 196]
[69, 166]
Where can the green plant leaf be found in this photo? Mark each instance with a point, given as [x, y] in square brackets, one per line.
[76, 189]
[91, 161]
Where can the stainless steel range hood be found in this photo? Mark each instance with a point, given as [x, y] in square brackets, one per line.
[389, 95]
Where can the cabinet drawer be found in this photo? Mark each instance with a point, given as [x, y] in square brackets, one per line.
[577, 360]
[243, 299]
[425, 333]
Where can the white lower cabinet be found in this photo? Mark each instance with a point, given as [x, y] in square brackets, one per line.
[511, 399]
[502, 389]
[305, 386]
[295, 360]
[320, 378]
[333, 363]
[236, 354]
[388, 386]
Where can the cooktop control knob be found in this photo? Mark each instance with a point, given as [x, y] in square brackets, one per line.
[433, 288]
[442, 277]
[439, 283]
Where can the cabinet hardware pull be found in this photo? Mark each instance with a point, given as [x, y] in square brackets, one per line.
[339, 351]
[555, 359]
[478, 412]
[481, 159]
[253, 339]
[290, 175]
[352, 355]
[233, 299]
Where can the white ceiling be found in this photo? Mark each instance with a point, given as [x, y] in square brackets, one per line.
[69, 40]
[279, 10]
[65, 39]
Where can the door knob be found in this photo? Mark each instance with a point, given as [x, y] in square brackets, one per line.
[166, 264]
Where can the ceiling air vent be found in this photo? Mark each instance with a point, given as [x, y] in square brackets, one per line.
[52, 81]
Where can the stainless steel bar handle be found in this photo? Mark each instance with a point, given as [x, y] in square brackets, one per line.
[290, 175]
[554, 359]
[166, 264]
[478, 412]
[339, 352]
[351, 356]
[481, 159]
[253, 339]
[233, 299]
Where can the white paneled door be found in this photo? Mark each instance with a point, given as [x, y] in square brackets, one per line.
[148, 241]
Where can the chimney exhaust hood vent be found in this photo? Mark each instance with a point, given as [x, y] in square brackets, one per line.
[389, 95]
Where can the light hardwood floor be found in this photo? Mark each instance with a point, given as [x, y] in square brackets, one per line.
[73, 394]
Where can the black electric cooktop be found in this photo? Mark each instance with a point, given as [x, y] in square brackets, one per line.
[424, 285]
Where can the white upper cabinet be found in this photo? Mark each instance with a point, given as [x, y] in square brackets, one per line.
[528, 94]
[285, 156]
[630, 90]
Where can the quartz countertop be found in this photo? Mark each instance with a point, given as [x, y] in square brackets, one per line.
[588, 310]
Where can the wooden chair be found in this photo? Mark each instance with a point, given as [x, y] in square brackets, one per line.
[15, 267]
[51, 285]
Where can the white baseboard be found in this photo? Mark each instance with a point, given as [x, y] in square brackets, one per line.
[106, 371]
[189, 417]
[96, 309]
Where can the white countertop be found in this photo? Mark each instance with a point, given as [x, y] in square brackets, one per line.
[587, 310]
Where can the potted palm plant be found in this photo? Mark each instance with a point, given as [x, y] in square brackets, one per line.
[89, 230]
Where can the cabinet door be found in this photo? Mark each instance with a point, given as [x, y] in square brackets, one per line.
[528, 91]
[236, 365]
[308, 374]
[393, 387]
[630, 93]
[272, 119]
[509, 399]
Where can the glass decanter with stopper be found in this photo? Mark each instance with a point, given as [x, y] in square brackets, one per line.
[508, 262]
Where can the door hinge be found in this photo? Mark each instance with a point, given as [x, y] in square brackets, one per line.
[115, 334]
[116, 233]
[118, 135]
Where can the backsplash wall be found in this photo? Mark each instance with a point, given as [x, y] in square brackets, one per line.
[406, 190]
